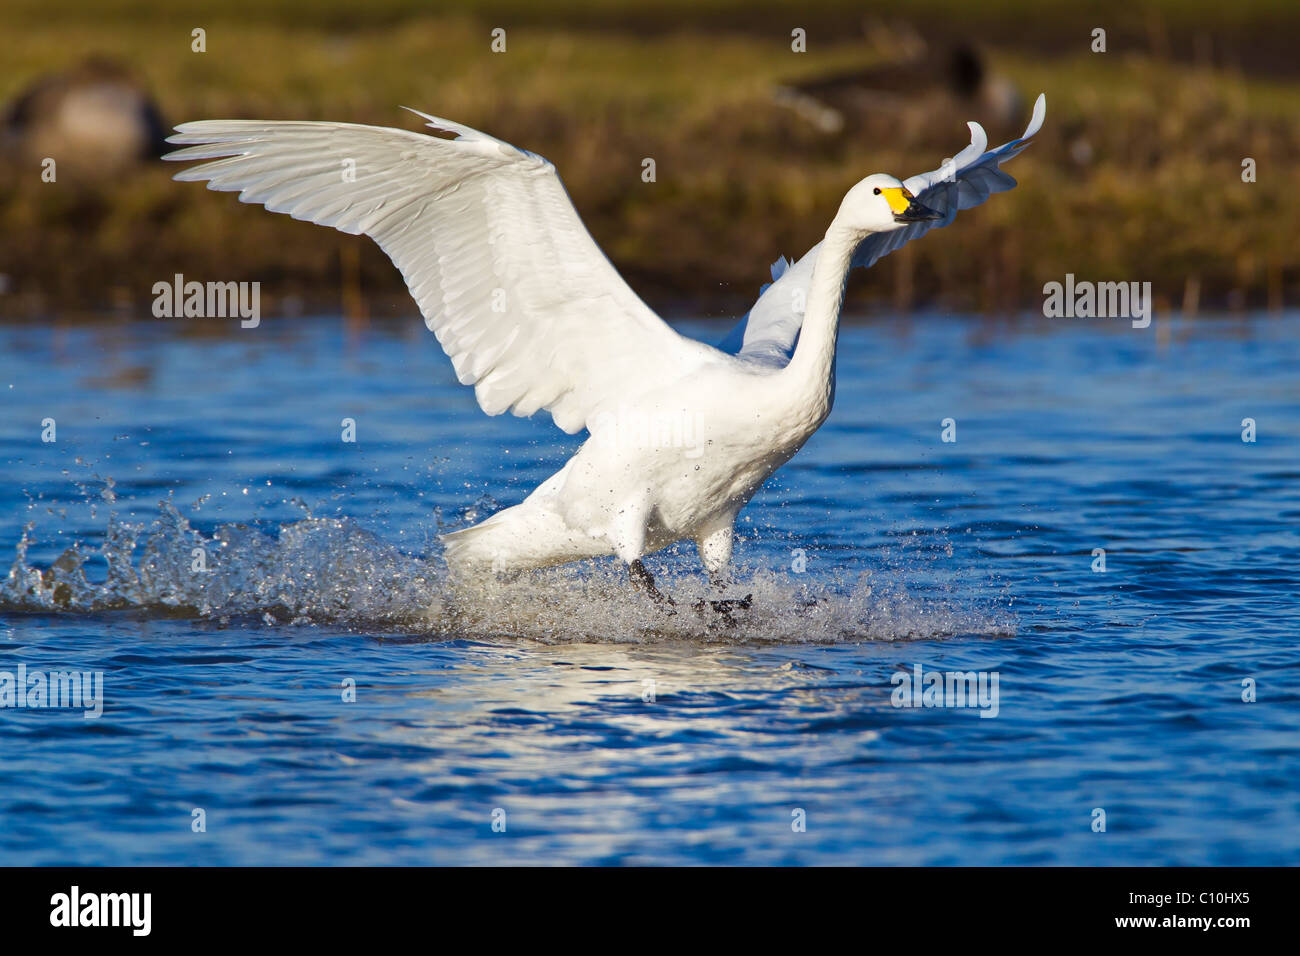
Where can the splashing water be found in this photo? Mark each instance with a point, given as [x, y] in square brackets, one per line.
[333, 571]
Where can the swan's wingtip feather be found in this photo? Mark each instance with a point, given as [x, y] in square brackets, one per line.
[445, 125]
[1040, 114]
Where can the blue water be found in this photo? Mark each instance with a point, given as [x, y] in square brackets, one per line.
[878, 549]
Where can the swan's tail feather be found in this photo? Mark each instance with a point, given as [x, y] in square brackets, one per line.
[476, 550]
[517, 539]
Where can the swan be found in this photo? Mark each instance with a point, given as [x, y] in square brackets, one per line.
[681, 434]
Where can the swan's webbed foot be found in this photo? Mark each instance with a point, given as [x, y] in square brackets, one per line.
[723, 608]
[643, 580]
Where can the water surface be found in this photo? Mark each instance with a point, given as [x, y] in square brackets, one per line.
[603, 731]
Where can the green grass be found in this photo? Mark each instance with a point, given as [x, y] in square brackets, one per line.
[740, 179]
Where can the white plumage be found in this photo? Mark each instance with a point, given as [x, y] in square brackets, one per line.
[532, 314]
[773, 323]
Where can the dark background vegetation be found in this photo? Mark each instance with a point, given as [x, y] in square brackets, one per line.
[1136, 176]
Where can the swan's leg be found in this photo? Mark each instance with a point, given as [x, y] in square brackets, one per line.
[628, 539]
[643, 580]
[714, 548]
[715, 554]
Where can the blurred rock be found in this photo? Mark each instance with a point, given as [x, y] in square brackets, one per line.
[916, 97]
[96, 118]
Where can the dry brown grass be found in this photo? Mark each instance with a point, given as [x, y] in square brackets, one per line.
[741, 179]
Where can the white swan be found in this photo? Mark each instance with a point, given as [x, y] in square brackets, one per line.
[681, 434]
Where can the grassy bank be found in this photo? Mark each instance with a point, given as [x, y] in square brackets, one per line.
[1137, 175]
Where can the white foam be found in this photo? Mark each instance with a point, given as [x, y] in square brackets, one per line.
[333, 571]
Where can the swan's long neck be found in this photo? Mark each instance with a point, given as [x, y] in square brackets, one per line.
[812, 367]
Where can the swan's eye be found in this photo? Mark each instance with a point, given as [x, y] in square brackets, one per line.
[876, 191]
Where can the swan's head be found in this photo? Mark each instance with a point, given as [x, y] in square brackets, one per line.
[881, 203]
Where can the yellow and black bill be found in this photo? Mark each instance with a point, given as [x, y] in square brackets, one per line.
[907, 208]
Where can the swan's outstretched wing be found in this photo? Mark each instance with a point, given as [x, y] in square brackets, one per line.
[769, 331]
[519, 295]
